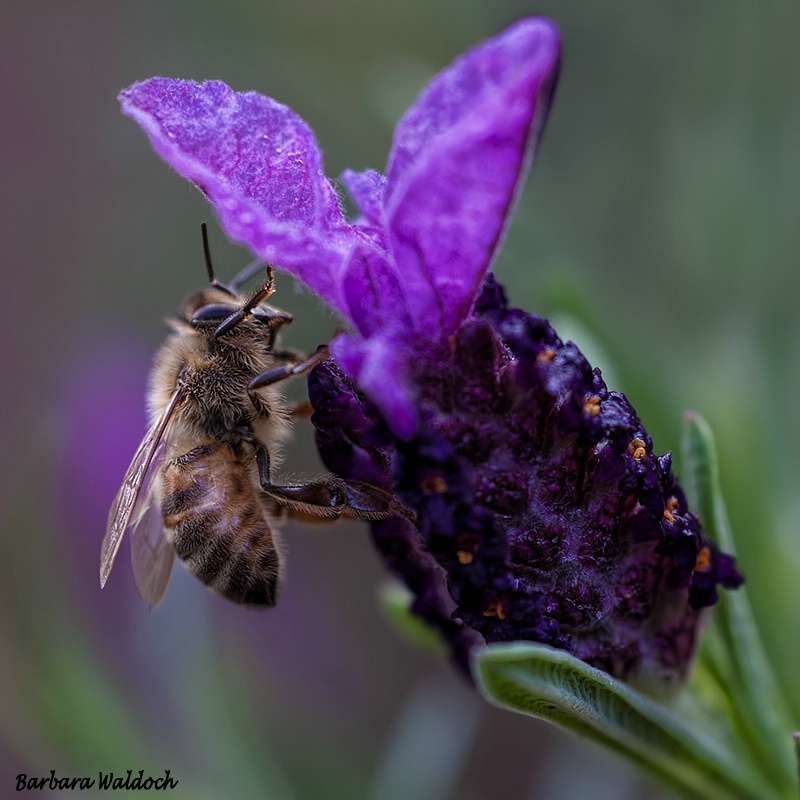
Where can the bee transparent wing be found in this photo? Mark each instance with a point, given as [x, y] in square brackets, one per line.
[151, 554]
[137, 480]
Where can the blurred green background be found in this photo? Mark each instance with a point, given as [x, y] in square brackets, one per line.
[660, 220]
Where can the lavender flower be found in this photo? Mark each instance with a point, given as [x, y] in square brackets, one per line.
[542, 512]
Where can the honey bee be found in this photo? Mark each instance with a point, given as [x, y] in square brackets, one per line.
[200, 484]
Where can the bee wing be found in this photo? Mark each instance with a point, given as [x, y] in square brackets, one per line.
[137, 478]
[151, 554]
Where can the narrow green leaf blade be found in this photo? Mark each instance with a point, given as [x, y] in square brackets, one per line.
[796, 740]
[551, 684]
[701, 479]
[757, 701]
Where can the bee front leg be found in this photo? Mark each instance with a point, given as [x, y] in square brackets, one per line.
[285, 371]
[331, 497]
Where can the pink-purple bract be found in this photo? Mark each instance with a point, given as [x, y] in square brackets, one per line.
[406, 273]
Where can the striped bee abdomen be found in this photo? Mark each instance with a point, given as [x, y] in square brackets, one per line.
[215, 519]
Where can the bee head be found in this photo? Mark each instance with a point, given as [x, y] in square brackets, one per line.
[218, 315]
[221, 310]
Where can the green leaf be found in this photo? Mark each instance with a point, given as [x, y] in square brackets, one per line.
[396, 602]
[739, 661]
[796, 739]
[553, 685]
[72, 699]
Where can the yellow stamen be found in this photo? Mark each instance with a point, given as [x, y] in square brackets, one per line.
[591, 406]
[671, 506]
[636, 448]
[495, 609]
[703, 563]
[546, 356]
[434, 484]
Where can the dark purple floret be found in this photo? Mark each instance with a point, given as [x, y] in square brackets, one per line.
[540, 504]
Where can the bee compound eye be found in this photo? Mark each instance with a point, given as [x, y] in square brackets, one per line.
[271, 317]
[213, 312]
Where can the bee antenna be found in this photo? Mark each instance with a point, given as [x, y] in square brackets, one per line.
[209, 266]
[207, 253]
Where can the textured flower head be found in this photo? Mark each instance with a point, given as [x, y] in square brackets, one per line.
[543, 513]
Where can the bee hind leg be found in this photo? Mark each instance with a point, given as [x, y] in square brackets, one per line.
[330, 498]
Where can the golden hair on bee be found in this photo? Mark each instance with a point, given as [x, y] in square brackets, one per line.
[200, 484]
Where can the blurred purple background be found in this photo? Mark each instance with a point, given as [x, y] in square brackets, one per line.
[661, 215]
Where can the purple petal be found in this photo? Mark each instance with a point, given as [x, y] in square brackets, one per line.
[261, 168]
[381, 370]
[374, 295]
[459, 157]
[367, 190]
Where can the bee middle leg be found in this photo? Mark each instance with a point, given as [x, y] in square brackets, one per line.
[331, 497]
[301, 410]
